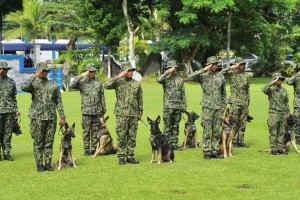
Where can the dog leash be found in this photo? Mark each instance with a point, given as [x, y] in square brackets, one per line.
[60, 131]
[143, 122]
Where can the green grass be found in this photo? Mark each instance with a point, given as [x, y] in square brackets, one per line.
[248, 175]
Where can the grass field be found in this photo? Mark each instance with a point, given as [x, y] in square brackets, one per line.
[249, 174]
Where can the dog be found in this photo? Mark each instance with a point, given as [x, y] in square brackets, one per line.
[159, 143]
[288, 136]
[105, 146]
[190, 131]
[66, 157]
[225, 144]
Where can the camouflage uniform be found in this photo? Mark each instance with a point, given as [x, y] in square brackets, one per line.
[295, 82]
[92, 107]
[213, 101]
[239, 100]
[8, 108]
[174, 103]
[278, 111]
[129, 105]
[46, 98]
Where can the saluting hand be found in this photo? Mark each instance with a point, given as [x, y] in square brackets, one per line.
[207, 67]
[172, 69]
[234, 66]
[1, 70]
[85, 73]
[121, 74]
[38, 72]
[274, 81]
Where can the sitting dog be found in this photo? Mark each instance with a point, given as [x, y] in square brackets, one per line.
[190, 131]
[225, 145]
[288, 136]
[159, 143]
[66, 156]
[106, 145]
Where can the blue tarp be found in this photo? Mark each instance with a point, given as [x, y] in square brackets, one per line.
[45, 47]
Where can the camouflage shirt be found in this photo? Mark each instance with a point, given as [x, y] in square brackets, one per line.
[213, 87]
[8, 92]
[278, 98]
[129, 96]
[239, 87]
[92, 95]
[46, 98]
[174, 93]
[295, 81]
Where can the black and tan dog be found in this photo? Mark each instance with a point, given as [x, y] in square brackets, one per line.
[159, 143]
[288, 136]
[105, 145]
[66, 158]
[225, 145]
[190, 131]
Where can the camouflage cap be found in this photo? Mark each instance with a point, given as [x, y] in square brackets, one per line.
[127, 67]
[212, 60]
[4, 65]
[91, 67]
[240, 60]
[42, 66]
[277, 75]
[171, 63]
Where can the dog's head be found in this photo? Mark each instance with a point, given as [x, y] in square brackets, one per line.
[70, 130]
[154, 125]
[228, 117]
[290, 120]
[192, 116]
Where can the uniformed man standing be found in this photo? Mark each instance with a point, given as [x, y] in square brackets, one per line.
[46, 98]
[213, 105]
[128, 110]
[295, 82]
[174, 102]
[92, 106]
[239, 99]
[8, 110]
[278, 112]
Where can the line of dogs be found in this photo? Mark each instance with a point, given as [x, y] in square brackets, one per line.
[159, 142]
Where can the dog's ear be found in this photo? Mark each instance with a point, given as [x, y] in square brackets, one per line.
[149, 120]
[106, 118]
[158, 119]
[73, 126]
[186, 112]
[66, 125]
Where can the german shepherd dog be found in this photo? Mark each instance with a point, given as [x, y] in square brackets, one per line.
[105, 146]
[66, 156]
[288, 136]
[190, 131]
[159, 143]
[225, 144]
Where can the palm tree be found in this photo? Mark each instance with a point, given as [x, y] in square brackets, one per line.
[30, 22]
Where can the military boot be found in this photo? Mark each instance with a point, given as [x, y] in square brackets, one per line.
[8, 157]
[48, 167]
[40, 167]
[0, 157]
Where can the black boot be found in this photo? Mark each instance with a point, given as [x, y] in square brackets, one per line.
[40, 167]
[132, 161]
[8, 157]
[48, 167]
[0, 157]
[121, 161]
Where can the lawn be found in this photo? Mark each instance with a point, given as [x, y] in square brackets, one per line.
[249, 174]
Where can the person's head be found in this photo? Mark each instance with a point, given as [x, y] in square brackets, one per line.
[129, 70]
[212, 60]
[297, 69]
[42, 66]
[241, 62]
[279, 78]
[170, 64]
[4, 67]
[91, 68]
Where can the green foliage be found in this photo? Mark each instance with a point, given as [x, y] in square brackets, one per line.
[296, 58]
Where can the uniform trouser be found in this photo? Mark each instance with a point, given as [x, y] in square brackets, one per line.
[240, 115]
[42, 132]
[126, 129]
[211, 123]
[277, 124]
[6, 128]
[172, 119]
[297, 124]
[90, 132]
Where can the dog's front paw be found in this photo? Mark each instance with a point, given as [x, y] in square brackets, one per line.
[151, 161]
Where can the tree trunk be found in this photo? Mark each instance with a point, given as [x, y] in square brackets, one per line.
[187, 56]
[108, 64]
[131, 34]
[1, 33]
[70, 46]
[228, 39]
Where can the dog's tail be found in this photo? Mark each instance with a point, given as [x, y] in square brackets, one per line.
[265, 150]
